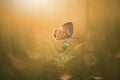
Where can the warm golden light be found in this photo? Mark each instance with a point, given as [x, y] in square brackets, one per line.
[34, 20]
[88, 48]
[32, 5]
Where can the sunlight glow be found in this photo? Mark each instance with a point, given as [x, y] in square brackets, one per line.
[31, 23]
[32, 5]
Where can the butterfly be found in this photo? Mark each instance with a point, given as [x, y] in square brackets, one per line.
[64, 33]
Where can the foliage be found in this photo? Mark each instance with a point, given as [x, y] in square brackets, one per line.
[62, 57]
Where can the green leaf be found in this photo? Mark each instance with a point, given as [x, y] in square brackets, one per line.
[69, 56]
[74, 49]
[67, 59]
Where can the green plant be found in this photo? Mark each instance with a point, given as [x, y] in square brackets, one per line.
[61, 56]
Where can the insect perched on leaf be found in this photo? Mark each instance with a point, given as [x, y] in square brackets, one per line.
[64, 33]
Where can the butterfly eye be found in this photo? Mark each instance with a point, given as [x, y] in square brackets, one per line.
[54, 33]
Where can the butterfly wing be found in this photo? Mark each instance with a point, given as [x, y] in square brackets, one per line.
[58, 34]
[67, 29]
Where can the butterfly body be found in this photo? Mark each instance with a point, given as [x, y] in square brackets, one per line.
[64, 33]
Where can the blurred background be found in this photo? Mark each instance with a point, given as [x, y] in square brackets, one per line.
[26, 27]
